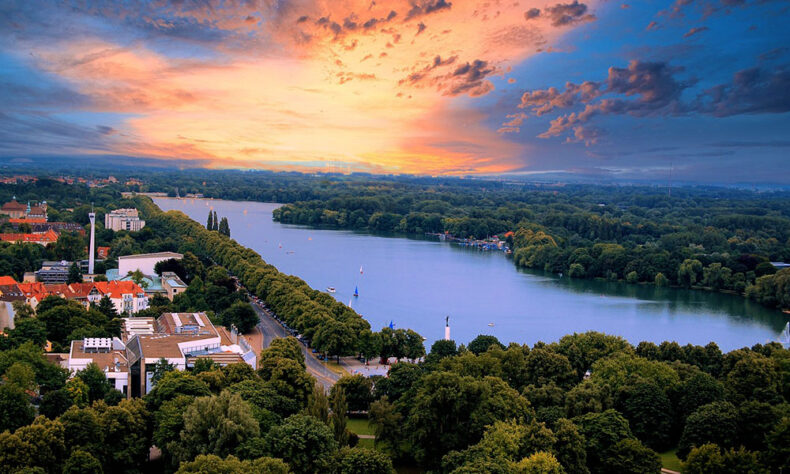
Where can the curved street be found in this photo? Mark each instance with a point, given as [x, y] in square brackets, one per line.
[271, 329]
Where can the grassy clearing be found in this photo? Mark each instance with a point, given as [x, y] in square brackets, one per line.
[367, 443]
[670, 460]
[359, 426]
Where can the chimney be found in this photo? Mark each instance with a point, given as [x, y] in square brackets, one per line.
[92, 251]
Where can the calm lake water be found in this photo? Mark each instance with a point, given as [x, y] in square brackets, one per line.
[415, 283]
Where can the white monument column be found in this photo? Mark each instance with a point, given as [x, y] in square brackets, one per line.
[92, 217]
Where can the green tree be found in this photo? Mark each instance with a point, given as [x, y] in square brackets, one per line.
[28, 330]
[305, 443]
[716, 276]
[482, 343]
[22, 375]
[602, 431]
[211, 464]
[689, 272]
[451, 412]
[138, 277]
[15, 407]
[125, 435]
[200, 434]
[335, 338]
[15, 454]
[778, 441]
[318, 405]
[168, 424]
[661, 280]
[570, 447]
[363, 461]
[369, 344]
[415, 347]
[82, 462]
[47, 440]
[696, 391]
[224, 228]
[58, 320]
[358, 391]
[441, 349]
[70, 246]
[22, 311]
[107, 307]
[629, 456]
[94, 378]
[539, 463]
[544, 366]
[161, 367]
[241, 315]
[55, 403]
[715, 422]
[75, 275]
[338, 416]
[215, 224]
[173, 384]
[210, 222]
[649, 414]
[387, 424]
[704, 459]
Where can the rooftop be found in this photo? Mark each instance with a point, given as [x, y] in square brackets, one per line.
[165, 255]
[107, 361]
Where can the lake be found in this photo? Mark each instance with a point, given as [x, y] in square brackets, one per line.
[416, 282]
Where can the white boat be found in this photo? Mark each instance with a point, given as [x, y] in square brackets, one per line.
[330, 289]
[490, 324]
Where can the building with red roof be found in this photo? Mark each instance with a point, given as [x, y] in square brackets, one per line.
[127, 296]
[41, 238]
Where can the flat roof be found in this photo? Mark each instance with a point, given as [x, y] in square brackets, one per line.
[150, 255]
[105, 360]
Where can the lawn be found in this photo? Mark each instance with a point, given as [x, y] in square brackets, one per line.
[359, 426]
[669, 460]
[367, 443]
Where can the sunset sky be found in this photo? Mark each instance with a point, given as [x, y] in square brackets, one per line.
[596, 88]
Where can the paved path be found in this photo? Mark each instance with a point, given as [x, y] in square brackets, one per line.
[272, 329]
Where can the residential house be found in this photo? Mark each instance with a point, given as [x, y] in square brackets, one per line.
[172, 284]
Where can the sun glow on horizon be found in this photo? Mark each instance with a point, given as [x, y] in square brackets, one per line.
[315, 84]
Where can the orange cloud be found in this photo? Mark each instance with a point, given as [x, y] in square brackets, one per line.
[374, 86]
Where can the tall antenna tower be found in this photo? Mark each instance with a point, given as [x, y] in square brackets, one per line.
[91, 261]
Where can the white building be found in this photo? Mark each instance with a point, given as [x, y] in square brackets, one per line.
[123, 219]
[144, 262]
[108, 353]
[179, 338]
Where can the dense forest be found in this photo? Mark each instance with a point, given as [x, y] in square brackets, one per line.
[588, 403]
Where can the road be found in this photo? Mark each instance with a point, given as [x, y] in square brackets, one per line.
[271, 329]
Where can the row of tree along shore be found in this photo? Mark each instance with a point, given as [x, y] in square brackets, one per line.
[330, 326]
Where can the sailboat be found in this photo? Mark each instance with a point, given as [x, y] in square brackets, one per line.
[360, 270]
[356, 291]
